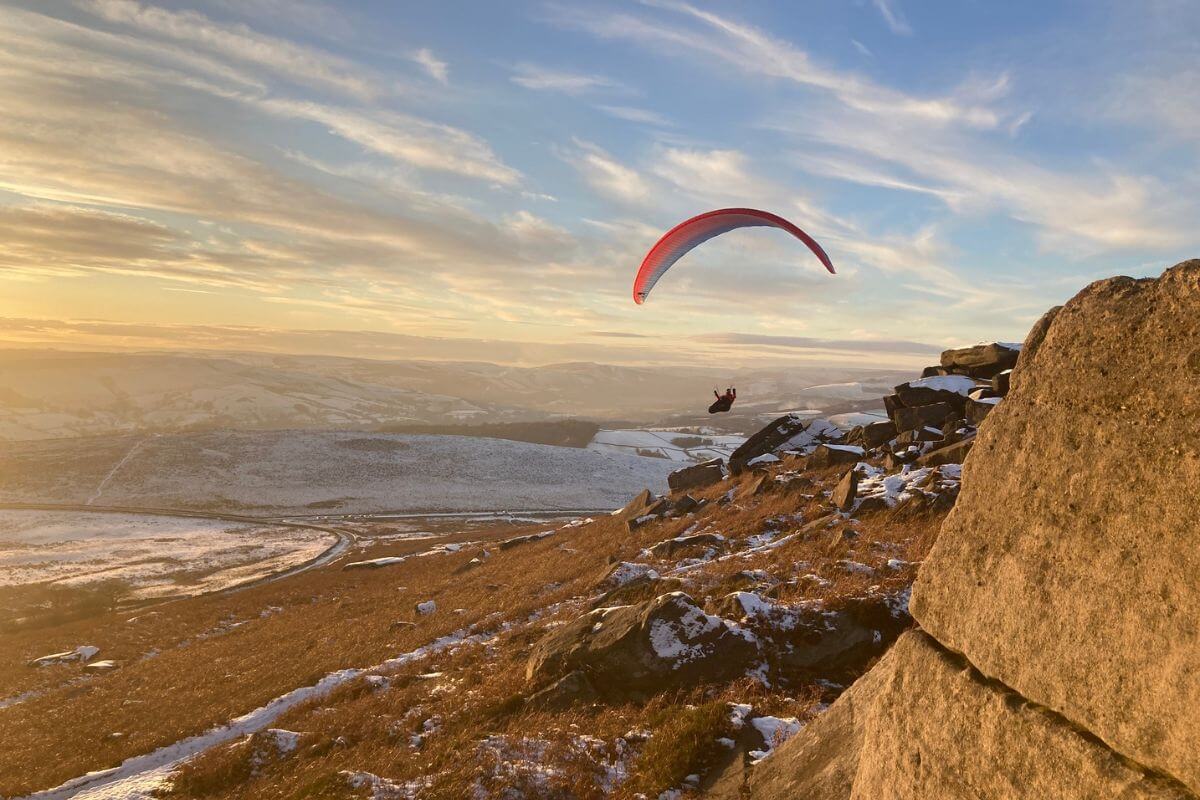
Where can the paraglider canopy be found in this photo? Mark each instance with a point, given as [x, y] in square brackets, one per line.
[685, 236]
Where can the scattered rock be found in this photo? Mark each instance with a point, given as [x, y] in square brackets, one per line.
[827, 455]
[698, 476]
[846, 491]
[517, 541]
[426, 607]
[672, 547]
[637, 506]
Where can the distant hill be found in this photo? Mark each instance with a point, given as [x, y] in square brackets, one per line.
[52, 394]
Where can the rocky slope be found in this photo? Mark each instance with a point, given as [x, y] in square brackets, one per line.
[1058, 650]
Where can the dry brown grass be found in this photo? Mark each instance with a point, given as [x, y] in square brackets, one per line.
[332, 619]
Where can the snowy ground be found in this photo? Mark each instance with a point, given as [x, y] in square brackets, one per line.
[322, 472]
[156, 555]
[668, 444]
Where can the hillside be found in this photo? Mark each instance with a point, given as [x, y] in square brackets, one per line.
[665, 648]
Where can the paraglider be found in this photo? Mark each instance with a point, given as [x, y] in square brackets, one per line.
[687, 235]
[724, 401]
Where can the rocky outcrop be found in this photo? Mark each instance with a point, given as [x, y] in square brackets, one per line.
[981, 360]
[637, 650]
[789, 433]
[1060, 655]
[1068, 569]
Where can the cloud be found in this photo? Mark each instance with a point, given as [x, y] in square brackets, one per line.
[640, 115]
[436, 68]
[404, 138]
[811, 343]
[607, 175]
[543, 79]
[1101, 206]
[723, 40]
[283, 58]
[893, 16]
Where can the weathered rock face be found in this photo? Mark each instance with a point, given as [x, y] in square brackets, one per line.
[697, 476]
[636, 650]
[923, 726]
[935, 414]
[1068, 569]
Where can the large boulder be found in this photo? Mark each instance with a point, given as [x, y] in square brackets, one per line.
[697, 476]
[790, 432]
[637, 650]
[923, 724]
[982, 360]
[950, 389]
[1067, 571]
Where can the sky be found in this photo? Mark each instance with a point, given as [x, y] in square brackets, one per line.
[480, 181]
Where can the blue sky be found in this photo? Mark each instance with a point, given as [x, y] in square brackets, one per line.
[453, 179]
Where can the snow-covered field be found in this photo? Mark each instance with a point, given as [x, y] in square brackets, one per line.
[156, 555]
[666, 444]
[322, 472]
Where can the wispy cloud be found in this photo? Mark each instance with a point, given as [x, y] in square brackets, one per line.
[544, 79]
[416, 141]
[642, 116]
[893, 16]
[239, 42]
[606, 174]
[721, 39]
[434, 67]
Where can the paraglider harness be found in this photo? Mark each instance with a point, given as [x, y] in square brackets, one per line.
[724, 401]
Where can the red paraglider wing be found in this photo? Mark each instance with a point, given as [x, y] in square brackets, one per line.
[688, 234]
